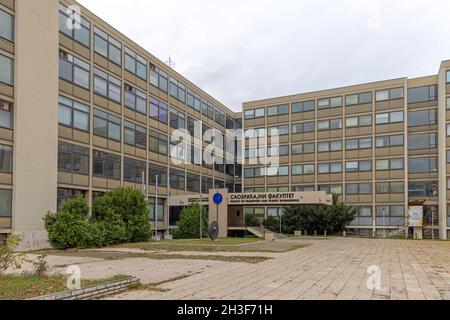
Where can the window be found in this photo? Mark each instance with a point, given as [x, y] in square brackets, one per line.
[389, 141]
[386, 118]
[303, 148]
[158, 142]
[252, 133]
[358, 188]
[254, 153]
[361, 121]
[157, 208]
[423, 165]
[423, 189]
[6, 115]
[255, 113]
[7, 26]
[107, 86]
[330, 124]
[178, 149]
[422, 94]
[358, 144]
[230, 122]
[390, 187]
[278, 171]
[219, 116]
[106, 165]
[306, 106]
[207, 184]
[359, 166]
[278, 151]
[106, 125]
[329, 146]
[135, 135]
[331, 189]
[81, 35]
[363, 216]
[6, 157]
[73, 159]
[207, 109]
[135, 64]
[194, 100]
[177, 119]
[304, 169]
[422, 118]
[71, 69]
[177, 179]
[362, 98]
[135, 99]
[73, 114]
[158, 110]
[107, 46]
[134, 170]
[330, 103]
[325, 168]
[193, 183]
[422, 141]
[390, 215]
[303, 127]
[392, 164]
[391, 94]
[177, 90]
[5, 203]
[278, 110]
[158, 78]
[157, 171]
[67, 194]
[253, 172]
[303, 188]
[279, 131]
[448, 77]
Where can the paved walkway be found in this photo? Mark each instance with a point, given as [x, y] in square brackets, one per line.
[327, 269]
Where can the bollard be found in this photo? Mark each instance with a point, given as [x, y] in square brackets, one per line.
[344, 233]
[325, 233]
[306, 233]
[315, 233]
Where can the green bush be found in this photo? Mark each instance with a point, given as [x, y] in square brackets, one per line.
[251, 220]
[117, 217]
[189, 225]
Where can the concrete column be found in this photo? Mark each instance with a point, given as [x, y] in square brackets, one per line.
[219, 212]
[35, 119]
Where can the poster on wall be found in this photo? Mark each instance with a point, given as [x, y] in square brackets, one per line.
[415, 216]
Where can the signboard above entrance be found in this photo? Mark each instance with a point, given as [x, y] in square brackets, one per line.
[279, 198]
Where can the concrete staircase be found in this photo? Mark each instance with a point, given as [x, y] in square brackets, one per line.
[261, 232]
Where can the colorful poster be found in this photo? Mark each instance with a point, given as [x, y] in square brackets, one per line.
[415, 216]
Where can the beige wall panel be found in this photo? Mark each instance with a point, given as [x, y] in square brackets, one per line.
[6, 134]
[100, 142]
[6, 46]
[99, 183]
[37, 90]
[81, 136]
[5, 178]
[361, 108]
[8, 3]
[80, 180]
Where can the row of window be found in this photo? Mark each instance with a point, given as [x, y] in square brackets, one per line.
[415, 166]
[335, 102]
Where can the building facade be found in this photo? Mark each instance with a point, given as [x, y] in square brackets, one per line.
[84, 110]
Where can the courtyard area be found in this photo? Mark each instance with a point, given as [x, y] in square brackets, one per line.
[292, 268]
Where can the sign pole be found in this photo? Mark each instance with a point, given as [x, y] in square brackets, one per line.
[156, 207]
[201, 216]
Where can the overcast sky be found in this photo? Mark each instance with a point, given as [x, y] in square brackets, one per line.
[243, 50]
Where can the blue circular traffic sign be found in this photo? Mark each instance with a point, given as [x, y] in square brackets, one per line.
[218, 198]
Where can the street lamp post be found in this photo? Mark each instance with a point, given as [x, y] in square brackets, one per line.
[384, 222]
[156, 207]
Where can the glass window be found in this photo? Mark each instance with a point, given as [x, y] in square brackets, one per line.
[423, 165]
[107, 86]
[194, 101]
[178, 91]
[106, 165]
[82, 34]
[73, 158]
[107, 46]
[157, 171]
[6, 156]
[135, 64]
[177, 179]
[303, 106]
[393, 164]
[157, 208]
[73, 114]
[422, 141]
[422, 94]
[6, 115]
[361, 98]
[158, 78]
[158, 110]
[392, 94]
[6, 26]
[135, 99]
[422, 118]
[134, 171]
[177, 119]
[106, 125]
[135, 135]
[71, 69]
[423, 189]
[6, 70]
[278, 110]
[5, 203]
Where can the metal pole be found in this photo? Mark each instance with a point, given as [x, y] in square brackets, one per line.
[201, 216]
[280, 221]
[432, 223]
[384, 222]
[156, 207]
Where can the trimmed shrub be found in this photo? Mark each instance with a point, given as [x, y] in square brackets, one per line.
[189, 225]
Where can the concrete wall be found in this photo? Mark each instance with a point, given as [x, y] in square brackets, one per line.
[36, 118]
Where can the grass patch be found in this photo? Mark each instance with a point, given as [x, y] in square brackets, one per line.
[27, 286]
[109, 255]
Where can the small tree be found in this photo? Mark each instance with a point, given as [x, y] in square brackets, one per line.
[189, 225]
[8, 257]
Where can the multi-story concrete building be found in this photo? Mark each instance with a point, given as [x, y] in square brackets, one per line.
[381, 146]
[85, 110]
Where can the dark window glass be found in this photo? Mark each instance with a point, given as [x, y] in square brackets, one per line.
[106, 165]
[73, 158]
